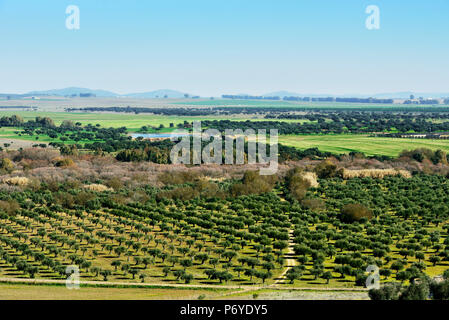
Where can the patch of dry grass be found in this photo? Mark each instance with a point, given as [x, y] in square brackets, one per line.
[375, 173]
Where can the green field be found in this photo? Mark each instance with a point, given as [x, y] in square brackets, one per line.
[304, 105]
[362, 143]
[132, 121]
[338, 144]
[12, 133]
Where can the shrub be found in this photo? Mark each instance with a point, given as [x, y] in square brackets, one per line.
[177, 177]
[313, 204]
[296, 183]
[355, 212]
[374, 173]
[10, 206]
[6, 165]
[114, 183]
[326, 169]
[253, 183]
[416, 291]
[17, 181]
[97, 187]
[311, 177]
[389, 291]
[181, 193]
[440, 291]
[64, 162]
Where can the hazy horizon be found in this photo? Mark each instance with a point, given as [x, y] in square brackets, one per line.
[274, 93]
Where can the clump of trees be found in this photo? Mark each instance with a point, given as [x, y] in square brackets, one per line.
[6, 165]
[64, 162]
[10, 206]
[326, 169]
[421, 154]
[296, 185]
[177, 177]
[355, 212]
[253, 183]
[420, 289]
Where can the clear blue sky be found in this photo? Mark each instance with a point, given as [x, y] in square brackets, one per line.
[210, 47]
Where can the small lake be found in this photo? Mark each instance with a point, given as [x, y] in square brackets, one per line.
[156, 135]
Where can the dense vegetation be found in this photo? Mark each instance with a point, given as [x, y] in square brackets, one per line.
[193, 229]
[342, 123]
[57, 208]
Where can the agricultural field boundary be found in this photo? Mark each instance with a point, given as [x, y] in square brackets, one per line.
[166, 285]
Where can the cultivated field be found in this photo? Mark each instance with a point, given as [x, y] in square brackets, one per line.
[361, 143]
[117, 208]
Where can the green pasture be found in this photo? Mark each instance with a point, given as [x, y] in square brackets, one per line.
[361, 143]
[132, 121]
[12, 133]
[304, 104]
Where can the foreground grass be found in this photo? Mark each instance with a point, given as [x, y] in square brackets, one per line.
[346, 143]
[269, 294]
[51, 292]
[48, 292]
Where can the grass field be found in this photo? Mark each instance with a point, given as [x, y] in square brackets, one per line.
[51, 292]
[132, 121]
[303, 105]
[331, 143]
[369, 145]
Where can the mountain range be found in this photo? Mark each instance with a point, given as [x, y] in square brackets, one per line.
[104, 93]
[75, 91]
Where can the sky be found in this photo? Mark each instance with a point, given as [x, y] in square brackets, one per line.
[214, 47]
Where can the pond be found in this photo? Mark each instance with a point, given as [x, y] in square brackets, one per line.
[156, 135]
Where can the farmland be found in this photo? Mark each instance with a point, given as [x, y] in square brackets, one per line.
[53, 292]
[201, 232]
[88, 195]
[353, 140]
[361, 143]
[131, 121]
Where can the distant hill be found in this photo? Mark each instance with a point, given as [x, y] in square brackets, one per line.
[103, 93]
[174, 94]
[73, 91]
[156, 94]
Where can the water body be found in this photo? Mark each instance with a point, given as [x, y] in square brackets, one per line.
[156, 135]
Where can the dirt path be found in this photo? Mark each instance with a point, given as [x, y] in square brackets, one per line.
[289, 258]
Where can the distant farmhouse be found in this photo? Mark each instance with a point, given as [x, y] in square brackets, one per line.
[421, 100]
